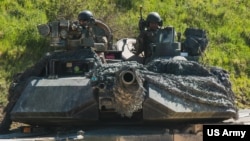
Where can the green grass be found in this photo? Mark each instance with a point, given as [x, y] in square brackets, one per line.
[227, 24]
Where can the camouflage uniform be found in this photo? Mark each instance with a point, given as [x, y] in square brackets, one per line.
[143, 43]
[146, 37]
[95, 29]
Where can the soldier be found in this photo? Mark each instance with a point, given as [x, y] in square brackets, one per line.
[95, 29]
[87, 21]
[84, 17]
[146, 37]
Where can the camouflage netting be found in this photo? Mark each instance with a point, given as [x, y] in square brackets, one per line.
[128, 98]
[192, 81]
[188, 80]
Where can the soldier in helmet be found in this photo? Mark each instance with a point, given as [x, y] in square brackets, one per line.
[85, 17]
[94, 28]
[146, 37]
[91, 27]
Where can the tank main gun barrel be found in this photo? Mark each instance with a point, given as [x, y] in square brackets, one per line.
[128, 77]
[128, 92]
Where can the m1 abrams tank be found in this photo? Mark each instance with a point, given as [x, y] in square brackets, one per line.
[76, 87]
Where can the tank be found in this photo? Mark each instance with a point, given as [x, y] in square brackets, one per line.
[84, 82]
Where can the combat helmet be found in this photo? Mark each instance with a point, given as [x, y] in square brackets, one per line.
[154, 17]
[85, 15]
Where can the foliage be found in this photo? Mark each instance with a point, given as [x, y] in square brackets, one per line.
[226, 23]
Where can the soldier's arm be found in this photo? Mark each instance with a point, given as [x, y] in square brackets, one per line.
[140, 44]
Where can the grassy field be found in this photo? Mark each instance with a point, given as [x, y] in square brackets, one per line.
[226, 22]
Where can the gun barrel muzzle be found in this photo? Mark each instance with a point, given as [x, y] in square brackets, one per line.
[128, 77]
